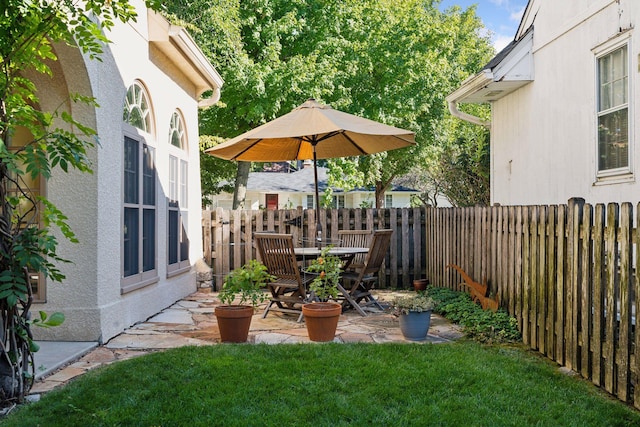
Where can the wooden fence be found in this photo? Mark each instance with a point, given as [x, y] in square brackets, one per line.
[228, 236]
[566, 273]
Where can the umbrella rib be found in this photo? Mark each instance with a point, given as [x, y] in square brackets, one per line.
[245, 150]
[362, 152]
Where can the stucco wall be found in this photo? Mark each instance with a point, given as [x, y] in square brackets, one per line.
[543, 136]
[90, 297]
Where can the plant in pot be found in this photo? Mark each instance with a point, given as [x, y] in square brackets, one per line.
[321, 317]
[414, 313]
[247, 282]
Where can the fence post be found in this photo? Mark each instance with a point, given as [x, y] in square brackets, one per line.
[574, 220]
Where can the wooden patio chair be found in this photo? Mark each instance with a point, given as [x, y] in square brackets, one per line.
[355, 239]
[289, 290]
[359, 293]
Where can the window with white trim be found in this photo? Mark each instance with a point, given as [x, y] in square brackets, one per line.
[337, 201]
[311, 201]
[388, 200]
[139, 194]
[177, 236]
[613, 111]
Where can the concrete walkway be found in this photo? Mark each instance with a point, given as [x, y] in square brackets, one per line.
[191, 321]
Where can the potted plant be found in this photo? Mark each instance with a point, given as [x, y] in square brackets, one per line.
[414, 313]
[321, 317]
[248, 282]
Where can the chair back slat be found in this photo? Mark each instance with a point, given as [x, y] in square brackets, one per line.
[377, 251]
[356, 239]
[277, 254]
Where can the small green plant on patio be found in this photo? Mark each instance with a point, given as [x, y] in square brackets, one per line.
[478, 324]
[415, 301]
[328, 268]
[247, 282]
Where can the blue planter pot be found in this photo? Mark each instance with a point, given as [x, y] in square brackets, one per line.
[415, 325]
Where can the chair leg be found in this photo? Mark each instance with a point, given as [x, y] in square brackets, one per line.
[349, 298]
[266, 310]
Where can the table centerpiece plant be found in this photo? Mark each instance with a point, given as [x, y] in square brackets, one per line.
[321, 316]
[247, 282]
[414, 314]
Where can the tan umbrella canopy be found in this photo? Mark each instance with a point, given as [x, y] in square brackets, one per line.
[313, 131]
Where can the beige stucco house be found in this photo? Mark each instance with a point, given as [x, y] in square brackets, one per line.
[137, 217]
[565, 96]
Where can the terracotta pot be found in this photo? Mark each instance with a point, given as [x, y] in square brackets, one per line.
[321, 319]
[420, 284]
[234, 322]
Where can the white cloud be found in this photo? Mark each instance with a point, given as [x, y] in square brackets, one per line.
[517, 15]
[500, 41]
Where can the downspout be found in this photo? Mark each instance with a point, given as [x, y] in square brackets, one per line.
[453, 108]
[470, 86]
[208, 102]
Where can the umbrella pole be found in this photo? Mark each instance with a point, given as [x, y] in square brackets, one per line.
[315, 175]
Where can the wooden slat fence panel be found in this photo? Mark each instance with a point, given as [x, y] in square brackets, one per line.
[567, 273]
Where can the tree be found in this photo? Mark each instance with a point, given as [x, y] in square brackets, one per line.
[393, 62]
[29, 32]
[457, 166]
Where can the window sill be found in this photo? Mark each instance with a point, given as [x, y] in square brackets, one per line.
[614, 179]
[125, 289]
[179, 271]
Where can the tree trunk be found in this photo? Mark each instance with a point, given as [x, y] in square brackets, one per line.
[380, 189]
[240, 192]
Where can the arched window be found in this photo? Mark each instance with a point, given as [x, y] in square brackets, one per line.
[177, 137]
[137, 111]
[139, 195]
[177, 200]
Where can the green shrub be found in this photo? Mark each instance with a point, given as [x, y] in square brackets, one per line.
[478, 324]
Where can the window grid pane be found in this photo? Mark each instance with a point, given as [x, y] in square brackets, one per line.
[184, 174]
[130, 170]
[613, 140]
[173, 179]
[184, 239]
[131, 233]
[149, 240]
[613, 123]
[173, 236]
[149, 176]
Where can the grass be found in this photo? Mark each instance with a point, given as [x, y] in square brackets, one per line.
[464, 383]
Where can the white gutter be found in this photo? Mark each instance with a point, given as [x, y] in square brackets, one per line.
[189, 48]
[471, 85]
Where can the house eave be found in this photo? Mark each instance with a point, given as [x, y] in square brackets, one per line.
[507, 72]
[176, 43]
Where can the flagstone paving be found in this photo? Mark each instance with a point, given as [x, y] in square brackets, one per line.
[191, 321]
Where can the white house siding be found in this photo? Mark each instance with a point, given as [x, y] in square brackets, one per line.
[90, 297]
[543, 136]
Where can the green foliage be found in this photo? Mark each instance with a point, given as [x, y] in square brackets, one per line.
[328, 269]
[248, 282]
[393, 62]
[415, 301]
[32, 144]
[478, 324]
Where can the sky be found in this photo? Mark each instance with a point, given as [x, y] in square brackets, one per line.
[501, 17]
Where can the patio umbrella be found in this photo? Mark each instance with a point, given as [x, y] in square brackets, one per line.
[313, 131]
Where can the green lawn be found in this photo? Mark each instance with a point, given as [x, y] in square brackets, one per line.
[460, 384]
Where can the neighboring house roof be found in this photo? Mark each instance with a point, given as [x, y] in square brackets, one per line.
[301, 181]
